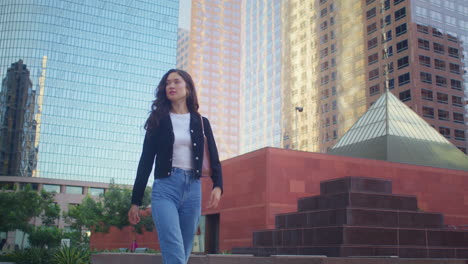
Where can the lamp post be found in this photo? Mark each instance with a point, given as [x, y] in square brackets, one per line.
[298, 109]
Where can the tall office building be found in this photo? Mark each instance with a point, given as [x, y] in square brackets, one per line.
[17, 123]
[183, 44]
[213, 62]
[261, 67]
[94, 66]
[362, 48]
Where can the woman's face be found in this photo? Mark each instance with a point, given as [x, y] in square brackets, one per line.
[176, 88]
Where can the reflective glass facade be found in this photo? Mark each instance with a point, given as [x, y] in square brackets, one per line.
[213, 61]
[94, 66]
[261, 104]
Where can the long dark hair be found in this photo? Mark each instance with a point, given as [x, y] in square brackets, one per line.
[161, 105]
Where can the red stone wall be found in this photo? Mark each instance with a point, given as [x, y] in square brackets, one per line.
[268, 181]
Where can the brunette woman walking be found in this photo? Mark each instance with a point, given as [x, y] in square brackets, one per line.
[174, 135]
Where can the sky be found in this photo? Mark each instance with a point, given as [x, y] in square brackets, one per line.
[184, 13]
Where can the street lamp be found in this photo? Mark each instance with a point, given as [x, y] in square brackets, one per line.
[298, 109]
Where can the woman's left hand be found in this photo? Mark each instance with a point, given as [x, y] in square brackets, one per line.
[214, 198]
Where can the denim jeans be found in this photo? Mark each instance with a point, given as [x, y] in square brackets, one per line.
[176, 209]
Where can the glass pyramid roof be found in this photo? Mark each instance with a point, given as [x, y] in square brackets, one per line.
[392, 131]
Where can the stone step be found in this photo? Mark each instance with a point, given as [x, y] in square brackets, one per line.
[354, 251]
[355, 184]
[358, 199]
[360, 217]
[359, 235]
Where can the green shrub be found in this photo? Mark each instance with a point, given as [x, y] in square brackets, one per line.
[32, 255]
[42, 236]
[71, 255]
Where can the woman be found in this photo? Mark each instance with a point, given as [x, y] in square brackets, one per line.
[174, 135]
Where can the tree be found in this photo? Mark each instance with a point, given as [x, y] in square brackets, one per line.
[98, 215]
[51, 211]
[18, 207]
[86, 215]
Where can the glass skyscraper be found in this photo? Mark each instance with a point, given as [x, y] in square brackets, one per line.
[261, 75]
[94, 66]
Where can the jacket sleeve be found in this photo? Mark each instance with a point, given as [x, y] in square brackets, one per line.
[217, 174]
[144, 168]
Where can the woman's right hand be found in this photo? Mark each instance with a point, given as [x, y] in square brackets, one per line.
[134, 214]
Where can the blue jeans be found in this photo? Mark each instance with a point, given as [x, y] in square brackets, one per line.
[176, 209]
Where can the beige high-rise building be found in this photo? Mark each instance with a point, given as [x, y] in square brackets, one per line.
[214, 63]
[344, 54]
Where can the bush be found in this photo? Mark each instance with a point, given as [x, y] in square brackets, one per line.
[32, 255]
[42, 236]
[72, 255]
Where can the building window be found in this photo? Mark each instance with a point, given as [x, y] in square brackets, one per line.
[439, 64]
[437, 33]
[396, 2]
[401, 29]
[332, 7]
[426, 94]
[423, 44]
[51, 188]
[387, 36]
[96, 191]
[324, 39]
[324, 53]
[324, 25]
[402, 45]
[428, 112]
[374, 74]
[388, 52]
[399, 14]
[454, 68]
[333, 62]
[371, 13]
[453, 52]
[372, 43]
[423, 29]
[374, 89]
[333, 76]
[368, 2]
[403, 62]
[455, 84]
[323, 12]
[458, 118]
[444, 115]
[405, 95]
[425, 60]
[335, 134]
[385, 22]
[452, 38]
[404, 79]
[444, 131]
[74, 190]
[390, 84]
[333, 90]
[425, 77]
[441, 81]
[333, 48]
[442, 98]
[386, 4]
[334, 119]
[323, 1]
[324, 66]
[371, 28]
[457, 101]
[324, 80]
[334, 105]
[438, 48]
[332, 21]
[388, 68]
[460, 135]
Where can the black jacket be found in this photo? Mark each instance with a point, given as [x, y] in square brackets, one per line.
[160, 144]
